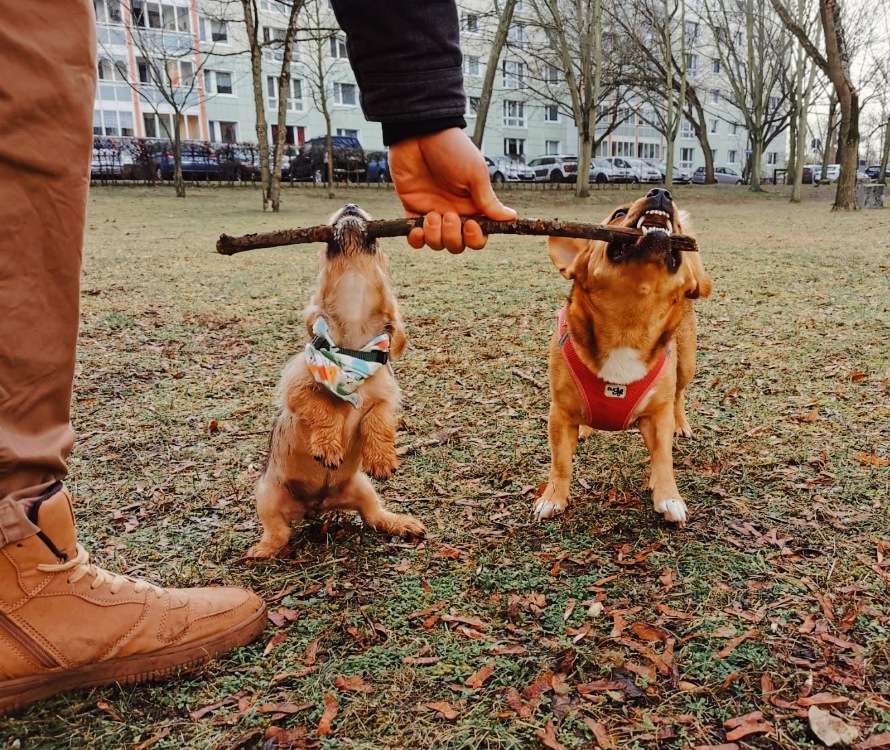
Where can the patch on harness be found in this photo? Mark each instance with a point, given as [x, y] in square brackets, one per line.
[614, 390]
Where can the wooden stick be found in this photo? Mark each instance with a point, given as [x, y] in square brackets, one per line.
[229, 245]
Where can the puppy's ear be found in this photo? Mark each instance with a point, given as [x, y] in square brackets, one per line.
[701, 282]
[563, 251]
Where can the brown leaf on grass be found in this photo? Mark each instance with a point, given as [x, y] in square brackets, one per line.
[648, 673]
[421, 661]
[281, 616]
[285, 738]
[856, 375]
[570, 607]
[647, 632]
[547, 735]
[876, 740]
[331, 709]
[871, 459]
[600, 733]
[300, 673]
[822, 699]
[152, 741]
[733, 643]
[673, 614]
[522, 709]
[283, 708]
[274, 642]
[508, 650]
[354, 684]
[748, 724]
[439, 437]
[667, 579]
[106, 708]
[724, 746]
[473, 622]
[311, 653]
[599, 686]
[444, 709]
[618, 624]
[200, 713]
[830, 729]
[660, 664]
[479, 678]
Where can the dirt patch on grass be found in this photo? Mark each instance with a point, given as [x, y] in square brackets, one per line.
[496, 632]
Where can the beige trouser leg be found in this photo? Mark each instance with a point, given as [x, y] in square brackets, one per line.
[48, 64]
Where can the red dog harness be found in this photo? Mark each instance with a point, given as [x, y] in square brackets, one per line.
[609, 405]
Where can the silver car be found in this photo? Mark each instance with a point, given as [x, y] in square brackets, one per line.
[722, 175]
[601, 171]
[555, 168]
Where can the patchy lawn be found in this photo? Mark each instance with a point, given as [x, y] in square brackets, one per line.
[497, 632]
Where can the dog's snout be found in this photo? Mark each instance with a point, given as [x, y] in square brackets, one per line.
[660, 194]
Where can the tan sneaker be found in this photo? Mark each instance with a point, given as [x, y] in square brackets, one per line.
[65, 623]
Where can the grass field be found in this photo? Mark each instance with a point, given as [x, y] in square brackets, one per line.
[605, 621]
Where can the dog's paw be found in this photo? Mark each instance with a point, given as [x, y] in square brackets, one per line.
[682, 428]
[584, 432]
[549, 504]
[380, 466]
[673, 509]
[265, 551]
[401, 524]
[328, 453]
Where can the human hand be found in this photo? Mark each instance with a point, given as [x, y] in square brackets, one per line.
[441, 176]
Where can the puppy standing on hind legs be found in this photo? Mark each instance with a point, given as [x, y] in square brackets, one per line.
[338, 398]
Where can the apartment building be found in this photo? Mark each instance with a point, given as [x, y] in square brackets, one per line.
[529, 114]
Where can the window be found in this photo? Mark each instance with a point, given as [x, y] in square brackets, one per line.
[733, 128]
[691, 31]
[345, 94]
[112, 122]
[111, 70]
[649, 151]
[715, 96]
[516, 34]
[714, 154]
[687, 154]
[772, 157]
[733, 156]
[712, 125]
[108, 11]
[691, 63]
[551, 113]
[338, 47]
[274, 35]
[622, 148]
[553, 74]
[348, 132]
[471, 22]
[514, 147]
[472, 106]
[219, 32]
[157, 126]
[738, 39]
[686, 130]
[551, 147]
[715, 66]
[471, 65]
[223, 132]
[774, 103]
[295, 99]
[218, 82]
[514, 114]
[514, 74]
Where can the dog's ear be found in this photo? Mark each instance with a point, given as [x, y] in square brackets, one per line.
[701, 282]
[563, 251]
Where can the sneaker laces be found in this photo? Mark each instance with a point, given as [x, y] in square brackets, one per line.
[81, 566]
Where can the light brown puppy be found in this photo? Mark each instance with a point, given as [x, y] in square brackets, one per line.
[321, 444]
[630, 304]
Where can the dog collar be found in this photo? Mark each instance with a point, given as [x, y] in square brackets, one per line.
[608, 406]
[342, 371]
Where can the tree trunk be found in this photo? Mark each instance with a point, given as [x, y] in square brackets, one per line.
[754, 178]
[791, 161]
[491, 70]
[845, 196]
[256, 70]
[329, 152]
[585, 154]
[829, 136]
[178, 181]
[700, 128]
[885, 154]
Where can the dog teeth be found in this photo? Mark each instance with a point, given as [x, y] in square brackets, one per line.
[662, 230]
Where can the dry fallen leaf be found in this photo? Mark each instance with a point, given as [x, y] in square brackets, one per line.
[311, 653]
[478, 678]
[353, 684]
[647, 632]
[444, 709]
[875, 741]
[283, 708]
[871, 459]
[734, 643]
[822, 699]
[830, 729]
[600, 733]
[667, 579]
[274, 642]
[547, 735]
[331, 708]
[742, 726]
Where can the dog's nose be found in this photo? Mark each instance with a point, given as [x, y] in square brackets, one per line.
[661, 198]
[659, 192]
[350, 207]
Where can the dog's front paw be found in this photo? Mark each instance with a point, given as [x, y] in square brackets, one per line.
[409, 527]
[682, 428]
[329, 453]
[584, 432]
[266, 551]
[551, 503]
[673, 509]
[380, 465]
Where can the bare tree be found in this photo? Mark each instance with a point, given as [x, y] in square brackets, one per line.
[318, 65]
[753, 49]
[804, 81]
[835, 64]
[505, 18]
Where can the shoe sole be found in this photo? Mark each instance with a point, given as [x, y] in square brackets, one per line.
[23, 691]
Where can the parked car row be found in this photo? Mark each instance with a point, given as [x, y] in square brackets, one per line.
[812, 173]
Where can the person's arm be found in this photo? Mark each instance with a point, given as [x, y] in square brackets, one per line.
[407, 62]
[408, 65]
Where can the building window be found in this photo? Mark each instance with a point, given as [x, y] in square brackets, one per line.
[157, 126]
[223, 132]
[108, 11]
[686, 130]
[471, 22]
[733, 128]
[712, 125]
[348, 132]
[338, 47]
[514, 74]
[514, 113]
[715, 96]
[295, 99]
[691, 63]
[551, 148]
[553, 74]
[551, 113]
[112, 122]
[648, 151]
[273, 35]
[772, 157]
[471, 65]
[514, 147]
[219, 32]
[516, 34]
[715, 66]
[218, 82]
[159, 16]
[714, 154]
[733, 156]
[622, 148]
[345, 94]
[112, 70]
[691, 31]
[687, 154]
[472, 106]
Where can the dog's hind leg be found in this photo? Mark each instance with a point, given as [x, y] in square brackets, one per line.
[687, 335]
[277, 510]
[359, 494]
[378, 433]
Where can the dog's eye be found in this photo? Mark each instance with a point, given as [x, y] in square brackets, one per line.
[619, 213]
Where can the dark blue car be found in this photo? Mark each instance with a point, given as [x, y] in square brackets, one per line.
[378, 166]
[199, 162]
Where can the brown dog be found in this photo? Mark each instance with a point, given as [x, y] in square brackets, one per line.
[625, 348]
[337, 401]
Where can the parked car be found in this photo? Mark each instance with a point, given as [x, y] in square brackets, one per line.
[238, 163]
[509, 171]
[310, 163]
[680, 176]
[378, 166]
[723, 176]
[644, 171]
[627, 169]
[874, 171]
[808, 174]
[199, 162]
[601, 171]
[555, 168]
[106, 163]
[832, 173]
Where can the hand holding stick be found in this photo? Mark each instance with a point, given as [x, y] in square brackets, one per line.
[229, 245]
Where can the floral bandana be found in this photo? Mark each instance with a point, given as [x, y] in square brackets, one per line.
[342, 371]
